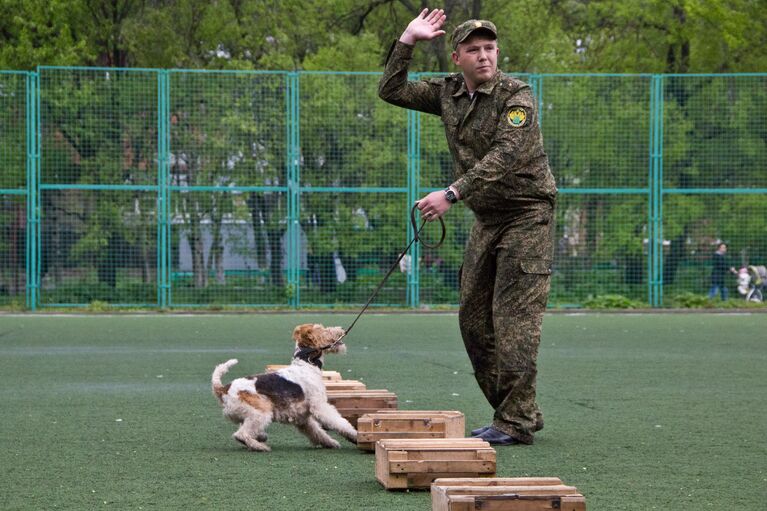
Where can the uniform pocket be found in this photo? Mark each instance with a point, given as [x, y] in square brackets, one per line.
[535, 266]
[451, 127]
[487, 125]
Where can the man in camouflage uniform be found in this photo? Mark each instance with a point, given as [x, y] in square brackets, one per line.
[502, 174]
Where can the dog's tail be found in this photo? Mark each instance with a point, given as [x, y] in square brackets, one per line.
[219, 389]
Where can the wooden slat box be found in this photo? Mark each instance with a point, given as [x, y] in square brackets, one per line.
[372, 427]
[353, 404]
[415, 463]
[326, 375]
[344, 385]
[505, 494]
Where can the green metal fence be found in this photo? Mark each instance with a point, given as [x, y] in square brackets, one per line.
[16, 214]
[179, 188]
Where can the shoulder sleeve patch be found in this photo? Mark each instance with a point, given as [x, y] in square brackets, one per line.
[517, 116]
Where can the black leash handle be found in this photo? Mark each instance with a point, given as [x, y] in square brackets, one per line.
[417, 231]
[416, 237]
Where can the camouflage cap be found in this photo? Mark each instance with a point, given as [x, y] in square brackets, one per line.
[465, 29]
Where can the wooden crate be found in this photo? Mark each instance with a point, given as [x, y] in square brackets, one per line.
[415, 463]
[505, 494]
[344, 385]
[372, 427]
[326, 375]
[353, 404]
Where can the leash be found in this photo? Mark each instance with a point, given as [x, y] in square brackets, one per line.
[416, 237]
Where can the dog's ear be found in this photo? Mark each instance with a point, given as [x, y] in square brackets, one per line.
[302, 334]
[308, 335]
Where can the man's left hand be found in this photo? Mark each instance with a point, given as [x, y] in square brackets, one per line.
[433, 206]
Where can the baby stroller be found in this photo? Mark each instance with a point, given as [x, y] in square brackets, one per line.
[752, 282]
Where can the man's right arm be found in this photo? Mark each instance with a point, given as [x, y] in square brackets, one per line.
[394, 86]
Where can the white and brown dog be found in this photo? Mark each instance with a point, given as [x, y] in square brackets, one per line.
[293, 395]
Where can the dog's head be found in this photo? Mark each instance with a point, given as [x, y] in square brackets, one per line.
[317, 337]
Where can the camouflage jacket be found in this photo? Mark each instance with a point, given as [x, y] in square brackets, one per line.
[495, 139]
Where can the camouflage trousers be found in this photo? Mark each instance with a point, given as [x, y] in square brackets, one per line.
[505, 281]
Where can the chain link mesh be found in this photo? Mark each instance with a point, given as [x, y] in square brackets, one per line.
[294, 189]
[13, 246]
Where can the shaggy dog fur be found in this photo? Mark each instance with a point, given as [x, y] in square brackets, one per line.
[293, 395]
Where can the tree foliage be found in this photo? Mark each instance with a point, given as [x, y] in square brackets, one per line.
[623, 36]
[229, 129]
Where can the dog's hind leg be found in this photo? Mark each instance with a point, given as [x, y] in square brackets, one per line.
[251, 433]
[312, 429]
[331, 419]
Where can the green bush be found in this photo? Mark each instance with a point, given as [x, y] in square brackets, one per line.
[687, 300]
[613, 302]
[99, 306]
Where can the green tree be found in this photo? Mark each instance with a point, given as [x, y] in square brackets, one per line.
[41, 33]
[656, 36]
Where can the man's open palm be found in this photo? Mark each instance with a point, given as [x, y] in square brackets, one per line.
[425, 26]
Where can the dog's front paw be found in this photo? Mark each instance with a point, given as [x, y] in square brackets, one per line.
[332, 444]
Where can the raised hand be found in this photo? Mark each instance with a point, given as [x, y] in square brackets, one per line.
[424, 27]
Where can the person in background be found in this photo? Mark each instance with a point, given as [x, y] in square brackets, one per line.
[719, 270]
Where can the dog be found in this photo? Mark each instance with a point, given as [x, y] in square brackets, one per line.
[293, 395]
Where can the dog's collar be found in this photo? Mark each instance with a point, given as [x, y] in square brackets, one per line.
[311, 355]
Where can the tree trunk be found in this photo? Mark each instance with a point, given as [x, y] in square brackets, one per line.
[216, 257]
[678, 54]
[198, 256]
[676, 255]
[275, 245]
[106, 268]
[261, 211]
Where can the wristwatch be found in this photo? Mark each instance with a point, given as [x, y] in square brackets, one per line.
[450, 196]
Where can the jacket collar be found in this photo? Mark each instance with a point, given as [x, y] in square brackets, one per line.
[485, 87]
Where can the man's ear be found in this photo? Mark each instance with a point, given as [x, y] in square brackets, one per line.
[455, 57]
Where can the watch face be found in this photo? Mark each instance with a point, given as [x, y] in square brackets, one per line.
[450, 196]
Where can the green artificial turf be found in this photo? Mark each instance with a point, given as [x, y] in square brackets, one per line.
[651, 411]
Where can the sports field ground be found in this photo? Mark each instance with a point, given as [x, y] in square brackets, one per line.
[642, 411]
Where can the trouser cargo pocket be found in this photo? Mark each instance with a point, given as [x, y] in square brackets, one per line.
[536, 266]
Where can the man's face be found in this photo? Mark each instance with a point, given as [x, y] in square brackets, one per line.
[477, 57]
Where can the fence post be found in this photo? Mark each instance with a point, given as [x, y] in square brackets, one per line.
[164, 266]
[413, 292]
[655, 220]
[293, 227]
[33, 206]
[536, 83]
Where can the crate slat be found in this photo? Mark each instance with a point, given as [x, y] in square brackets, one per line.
[416, 463]
[344, 385]
[505, 494]
[326, 375]
[353, 404]
[441, 466]
[403, 424]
